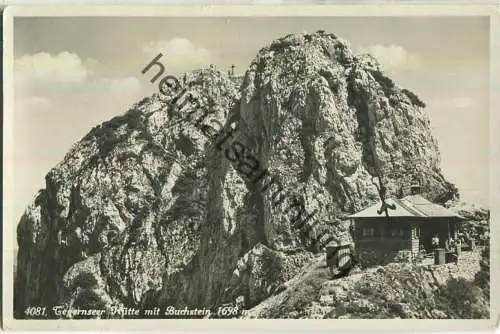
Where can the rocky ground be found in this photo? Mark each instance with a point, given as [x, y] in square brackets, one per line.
[393, 291]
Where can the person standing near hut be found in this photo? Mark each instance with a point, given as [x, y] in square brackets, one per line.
[458, 249]
[435, 242]
[449, 245]
[452, 249]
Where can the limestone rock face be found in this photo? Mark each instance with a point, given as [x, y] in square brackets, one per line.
[160, 206]
[127, 203]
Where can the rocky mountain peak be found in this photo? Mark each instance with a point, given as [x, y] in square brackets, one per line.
[191, 197]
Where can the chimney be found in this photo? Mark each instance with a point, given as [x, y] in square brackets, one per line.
[415, 189]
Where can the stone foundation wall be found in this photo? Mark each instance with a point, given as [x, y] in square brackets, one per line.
[371, 254]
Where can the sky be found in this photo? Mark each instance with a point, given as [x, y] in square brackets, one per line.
[73, 73]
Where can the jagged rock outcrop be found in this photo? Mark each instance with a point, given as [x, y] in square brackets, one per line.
[394, 291]
[128, 199]
[163, 205]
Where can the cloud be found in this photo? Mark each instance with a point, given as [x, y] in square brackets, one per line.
[179, 54]
[392, 56]
[120, 85]
[43, 75]
[43, 68]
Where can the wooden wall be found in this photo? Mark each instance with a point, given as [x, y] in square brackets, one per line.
[384, 247]
[417, 234]
[383, 228]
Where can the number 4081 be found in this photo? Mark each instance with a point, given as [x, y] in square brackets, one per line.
[35, 311]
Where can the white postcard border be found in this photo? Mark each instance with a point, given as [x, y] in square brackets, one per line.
[9, 232]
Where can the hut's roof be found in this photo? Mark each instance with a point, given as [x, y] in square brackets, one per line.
[410, 206]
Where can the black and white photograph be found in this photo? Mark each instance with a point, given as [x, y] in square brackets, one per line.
[248, 166]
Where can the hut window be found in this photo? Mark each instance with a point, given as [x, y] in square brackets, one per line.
[398, 232]
[368, 232]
